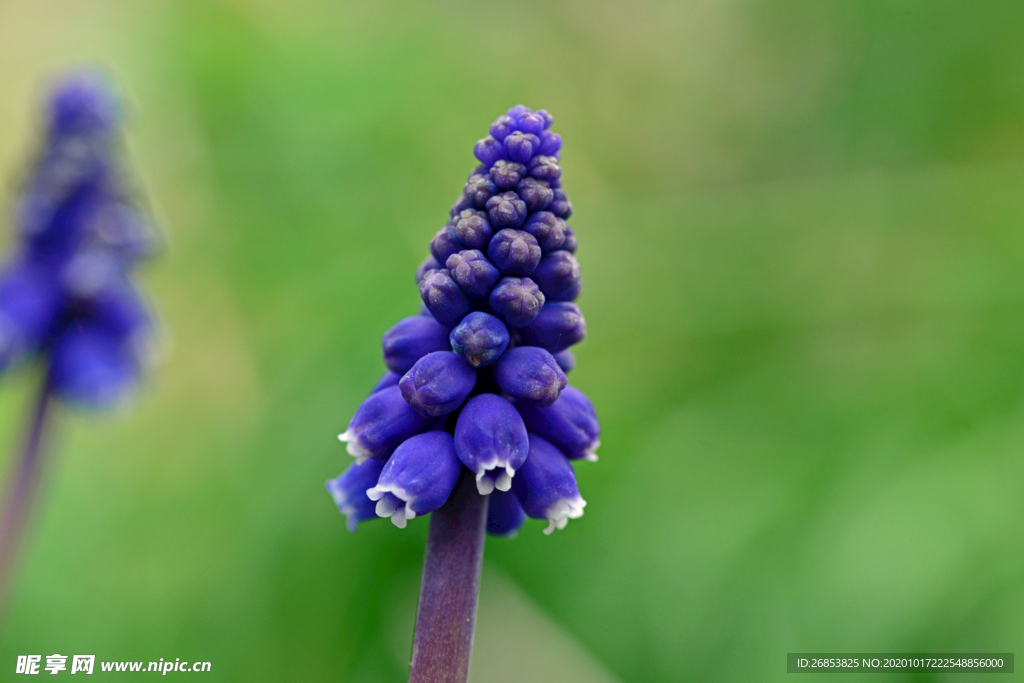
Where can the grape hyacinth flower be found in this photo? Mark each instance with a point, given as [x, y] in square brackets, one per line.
[474, 420]
[66, 295]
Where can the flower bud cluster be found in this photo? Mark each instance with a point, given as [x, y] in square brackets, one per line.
[66, 293]
[478, 379]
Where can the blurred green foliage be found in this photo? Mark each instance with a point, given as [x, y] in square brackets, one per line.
[800, 229]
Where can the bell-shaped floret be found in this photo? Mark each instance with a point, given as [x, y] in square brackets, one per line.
[558, 326]
[536, 194]
[506, 210]
[504, 514]
[570, 423]
[544, 168]
[473, 229]
[410, 339]
[383, 421]
[530, 374]
[460, 205]
[571, 243]
[443, 297]
[488, 151]
[517, 301]
[558, 276]
[566, 360]
[473, 272]
[490, 439]
[507, 174]
[438, 384]
[478, 189]
[547, 228]
[480, 338]
[514, 252]
[546, 485]
[418, 478]
[445, 243]
[520, 146]
[430, 263]
[30, 302]
[349, 491]
[560, 205]
[550, 144]
[92, 365]
[502, 127]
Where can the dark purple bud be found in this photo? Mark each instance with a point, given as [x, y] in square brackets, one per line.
[504, 514]
[546, 486]
[569, 423]
[460, 205]
[566, 360]
[473, 272]
[480, 338]
[349, 491]
[410, 339]
[517, 301]
[445, 243]
[84, 102]
[545, 168]
[517, 111]
[444, 298]
[560, 205]
[570, 242]
[514, 252]
[531, 123]
[558, 276]
[479, 189]
[536, 194]
[558, 326]
[383, 421]
[488, 151]
[547, 228]
[388, 379]
[473, 229]
[438, 383]
[506, 210]
[429, 263]
[550, 143]
[417, 479]
[490, 439]
[521, 146]
[506, 174]
[92, 366]
[548, 119]
[530, 374]
[501, 127]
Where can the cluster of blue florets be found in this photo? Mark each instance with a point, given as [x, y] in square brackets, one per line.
[478, 379]
[65, 294]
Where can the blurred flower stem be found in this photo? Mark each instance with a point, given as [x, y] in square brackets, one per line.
[451, 584]
[18, 503]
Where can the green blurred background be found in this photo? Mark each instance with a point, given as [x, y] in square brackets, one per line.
[801, 236]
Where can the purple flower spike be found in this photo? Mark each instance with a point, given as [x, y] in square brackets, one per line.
[570, 423]
[536, 194]
[480, 338]
[530, 375]
[566, 360]
[473, 272]
[383, 421]
[559, 325]
[506, 210]
[444, 298]
[546, 486]
[411, 339]
[349, 491]
[507, 174]
[438, 383]
[490, 439]
[550, 144]
[517, 301]
[504, 514]
[388, 379]
[429, 263]
[514, 252]
[520, 146]
[473, 229]
[417, 479]
[558, 276]
[560, 205]
[488, 151]
[479, 189]
[501, 128]
[445, 243]
[545, 168]
[547, 228]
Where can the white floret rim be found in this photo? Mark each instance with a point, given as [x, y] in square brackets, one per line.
[400, 515]
[562, 511]
[489, 476]
[355, 447]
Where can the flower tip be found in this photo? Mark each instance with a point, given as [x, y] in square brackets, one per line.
[484, 483]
